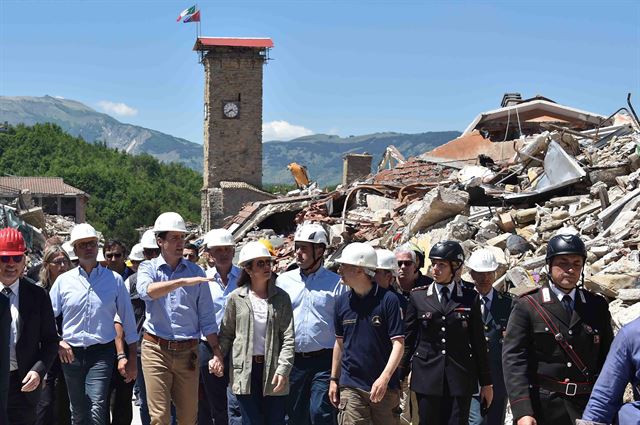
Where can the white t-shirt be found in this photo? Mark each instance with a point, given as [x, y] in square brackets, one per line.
[259, 307]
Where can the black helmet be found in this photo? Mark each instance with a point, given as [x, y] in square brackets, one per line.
[566, 244]
[447, 250]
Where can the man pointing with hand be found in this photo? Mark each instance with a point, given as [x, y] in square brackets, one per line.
[179, 310]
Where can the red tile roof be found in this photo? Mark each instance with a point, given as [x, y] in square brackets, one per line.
[260, 43]
[40, 185]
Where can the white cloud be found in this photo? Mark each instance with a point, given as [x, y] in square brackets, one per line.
[282, 130]
[117, 108]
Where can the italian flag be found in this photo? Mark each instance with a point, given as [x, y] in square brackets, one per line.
[188, 12]
[193, 18]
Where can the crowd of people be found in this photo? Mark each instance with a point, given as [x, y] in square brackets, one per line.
[211, 342]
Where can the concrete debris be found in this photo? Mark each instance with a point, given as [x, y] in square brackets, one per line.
[508, 189]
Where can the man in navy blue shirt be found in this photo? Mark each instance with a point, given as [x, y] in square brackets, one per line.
[369, 344]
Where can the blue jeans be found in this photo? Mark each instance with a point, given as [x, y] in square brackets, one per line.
[258, 409]
[88, 377]
[308, 399]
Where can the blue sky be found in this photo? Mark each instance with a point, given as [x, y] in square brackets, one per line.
[340, 67]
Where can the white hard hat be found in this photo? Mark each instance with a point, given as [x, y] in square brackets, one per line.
[137, 253]
[311, 232]
[148, 240]
[169, 222]
[482, 260]
[251, 251]
[69, 250]
[387, 261]
[83, 231]
[219, 237]
[100, 258]
[359, 254]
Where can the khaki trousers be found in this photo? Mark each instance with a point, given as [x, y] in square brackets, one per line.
[170, 375]
[357, 409]
[408, 404]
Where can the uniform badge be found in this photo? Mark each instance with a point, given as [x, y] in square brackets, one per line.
[427, 315]
[588, 329]
[376, 321]
[596, 339]
[546, 296]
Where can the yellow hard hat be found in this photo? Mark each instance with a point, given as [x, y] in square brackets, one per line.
[268, 245]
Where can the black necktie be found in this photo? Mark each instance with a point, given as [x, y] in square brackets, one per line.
[7, 292]
[566, 302]
[444, 295]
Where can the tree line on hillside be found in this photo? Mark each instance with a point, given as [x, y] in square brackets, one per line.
[126, 191]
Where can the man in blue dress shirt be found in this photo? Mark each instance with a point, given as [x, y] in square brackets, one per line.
[88, 299]
[313, 291]
[224, 277]
[179, 310]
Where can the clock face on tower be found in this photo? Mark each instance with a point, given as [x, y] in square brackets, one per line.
[231, 109]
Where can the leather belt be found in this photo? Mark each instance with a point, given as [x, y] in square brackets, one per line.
[565, 387]
[314, 353]
[258, 359]
[170, 344]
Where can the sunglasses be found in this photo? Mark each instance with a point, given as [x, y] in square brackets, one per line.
[60, 262]
[113, 255]
[263, 263]
[7, 258]
[189, 256]
[405, 263]
[85, 245]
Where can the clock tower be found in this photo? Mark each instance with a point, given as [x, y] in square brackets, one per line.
[232, 124]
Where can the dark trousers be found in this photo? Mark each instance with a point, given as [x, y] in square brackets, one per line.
[258, 409]
[212, 402]
[19, 408]
[443, 410]
[88, 378]
[120, 396]
[308, 399]
[53, 408]
[495, 415]
[558, 409]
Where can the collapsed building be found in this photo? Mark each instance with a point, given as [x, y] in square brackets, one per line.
[514, 178]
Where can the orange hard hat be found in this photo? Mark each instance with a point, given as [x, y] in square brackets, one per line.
[11, 242]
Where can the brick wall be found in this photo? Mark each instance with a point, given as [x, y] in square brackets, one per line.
[355, 166]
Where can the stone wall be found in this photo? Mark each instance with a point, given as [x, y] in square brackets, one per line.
[219, 203]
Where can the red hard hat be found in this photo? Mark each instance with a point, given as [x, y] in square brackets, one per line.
[11, 242]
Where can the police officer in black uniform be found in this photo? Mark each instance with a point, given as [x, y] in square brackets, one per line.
[445, 343]
[557, 340]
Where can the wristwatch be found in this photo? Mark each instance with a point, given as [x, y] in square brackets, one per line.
[334, 379]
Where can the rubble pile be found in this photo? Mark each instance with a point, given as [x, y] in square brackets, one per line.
[557, 180]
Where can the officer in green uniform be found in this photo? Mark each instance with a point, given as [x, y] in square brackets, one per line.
[557, 340]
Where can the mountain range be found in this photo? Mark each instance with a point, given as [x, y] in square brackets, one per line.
[322, 154]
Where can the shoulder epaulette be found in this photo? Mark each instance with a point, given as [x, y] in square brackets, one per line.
[420, 288]
[505, 295]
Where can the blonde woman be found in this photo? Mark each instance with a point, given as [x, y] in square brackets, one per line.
[53, 406]
[257, 329]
